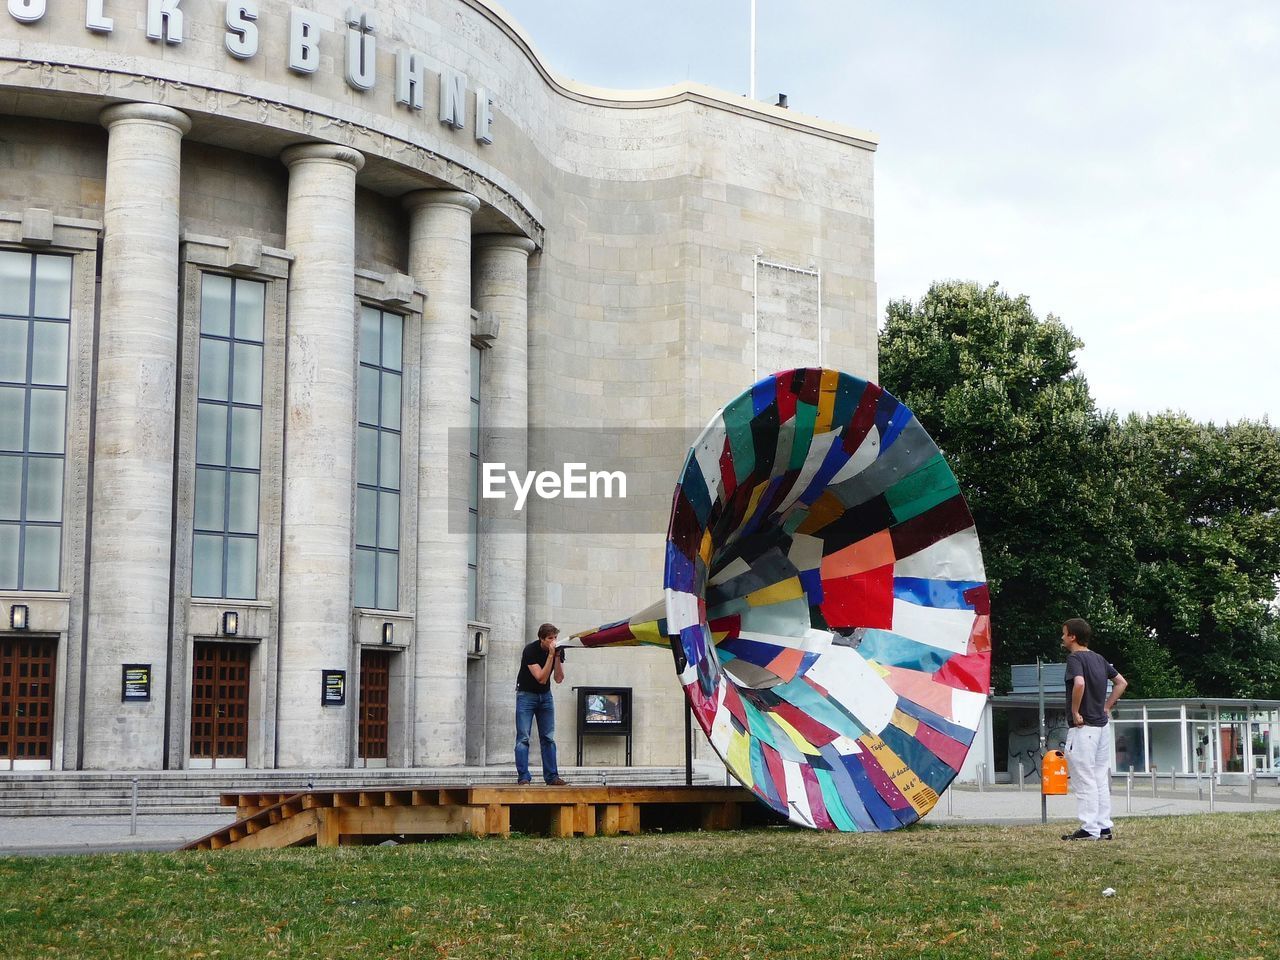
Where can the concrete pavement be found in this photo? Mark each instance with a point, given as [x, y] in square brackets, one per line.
[36, 836]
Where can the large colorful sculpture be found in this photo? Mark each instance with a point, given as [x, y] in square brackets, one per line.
[825, 601]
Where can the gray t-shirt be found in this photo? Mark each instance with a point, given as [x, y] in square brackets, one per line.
[1096, 672]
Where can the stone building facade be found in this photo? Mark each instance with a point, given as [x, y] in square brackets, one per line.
[262, 266]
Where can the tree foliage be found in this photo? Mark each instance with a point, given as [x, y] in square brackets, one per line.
[1204, 506]
[1163, 532]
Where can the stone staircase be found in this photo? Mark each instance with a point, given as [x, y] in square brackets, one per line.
[79, 793]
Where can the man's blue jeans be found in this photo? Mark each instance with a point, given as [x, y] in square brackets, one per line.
[542, 706]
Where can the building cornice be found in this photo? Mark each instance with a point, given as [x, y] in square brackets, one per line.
[666, 96]
[97, 87]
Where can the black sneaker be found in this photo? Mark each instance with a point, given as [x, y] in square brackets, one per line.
[1081, 834]
[1105, 834]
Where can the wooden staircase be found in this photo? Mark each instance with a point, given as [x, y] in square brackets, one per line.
[328, 818]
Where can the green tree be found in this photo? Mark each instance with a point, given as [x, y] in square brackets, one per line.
[1164, 532]
[998, 389]
[1203, 504]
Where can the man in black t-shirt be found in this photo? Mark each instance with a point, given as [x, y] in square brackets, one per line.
[540, 663]
[1088, 739]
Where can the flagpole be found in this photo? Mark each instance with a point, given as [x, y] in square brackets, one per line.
[753, 49]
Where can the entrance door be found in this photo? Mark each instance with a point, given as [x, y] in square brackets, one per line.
[1201, 753]
[26, 702]
[220, 703]
[375, 682]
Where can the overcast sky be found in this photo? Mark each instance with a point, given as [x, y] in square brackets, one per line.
[1118, 162]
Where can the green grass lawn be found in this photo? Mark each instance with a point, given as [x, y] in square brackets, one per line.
[1204, 886]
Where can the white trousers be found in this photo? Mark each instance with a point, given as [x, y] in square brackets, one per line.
[1089, 767]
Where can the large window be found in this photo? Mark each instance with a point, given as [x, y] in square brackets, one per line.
[228, 439]
[473, 503]
[378, 460]
[35, 323]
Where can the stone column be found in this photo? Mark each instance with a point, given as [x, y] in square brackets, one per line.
[440, 261]
[319, 454]
[500, 276]
[132, 523]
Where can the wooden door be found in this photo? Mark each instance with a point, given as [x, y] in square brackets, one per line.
[375, 683]
[220, 701]
[26, 699]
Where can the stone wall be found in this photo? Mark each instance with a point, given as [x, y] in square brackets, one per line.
[648, 211]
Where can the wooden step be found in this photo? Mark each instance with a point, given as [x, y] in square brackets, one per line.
[271, 819]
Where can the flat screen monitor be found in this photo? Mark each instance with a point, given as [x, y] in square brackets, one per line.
[604, 709]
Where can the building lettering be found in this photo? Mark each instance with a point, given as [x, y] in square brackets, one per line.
[164, 20]
[410, 78]
[26, 11]
[242, 29]
[165, 23]
[95, 18]
[361, 49]
[304, 53]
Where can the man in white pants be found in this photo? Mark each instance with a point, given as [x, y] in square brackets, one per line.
[1089, 740]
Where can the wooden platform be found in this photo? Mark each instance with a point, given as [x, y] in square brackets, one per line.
[328, 818]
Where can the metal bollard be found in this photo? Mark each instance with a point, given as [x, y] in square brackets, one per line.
[1213, 776]
[950, 804]
[982, 777]
[1019, 776]
[1253, 786]
[133, 810]
[1199, 786]
[1128, 791]
[1153, 780]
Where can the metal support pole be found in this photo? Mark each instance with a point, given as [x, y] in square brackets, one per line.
[688, 744]
[1253, 786]
[1213, 776]
[1153, 780]
[133, 810]
[1019, 776]
[1199, 786]
[1044, 742]
[982, 777]
[1128, 791]
[950, 802]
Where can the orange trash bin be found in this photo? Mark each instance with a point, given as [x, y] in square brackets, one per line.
[1053, 774]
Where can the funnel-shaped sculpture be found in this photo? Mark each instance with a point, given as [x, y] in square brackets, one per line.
[825, 601]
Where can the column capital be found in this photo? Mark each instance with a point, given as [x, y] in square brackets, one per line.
[333, 152]
[150, 112]
[503, 241]
[449, 198]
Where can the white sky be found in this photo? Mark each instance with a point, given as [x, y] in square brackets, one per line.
[1118, 162]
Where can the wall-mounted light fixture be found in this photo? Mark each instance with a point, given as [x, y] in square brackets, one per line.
[230, 623]
[19, 616]
[388, 632]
